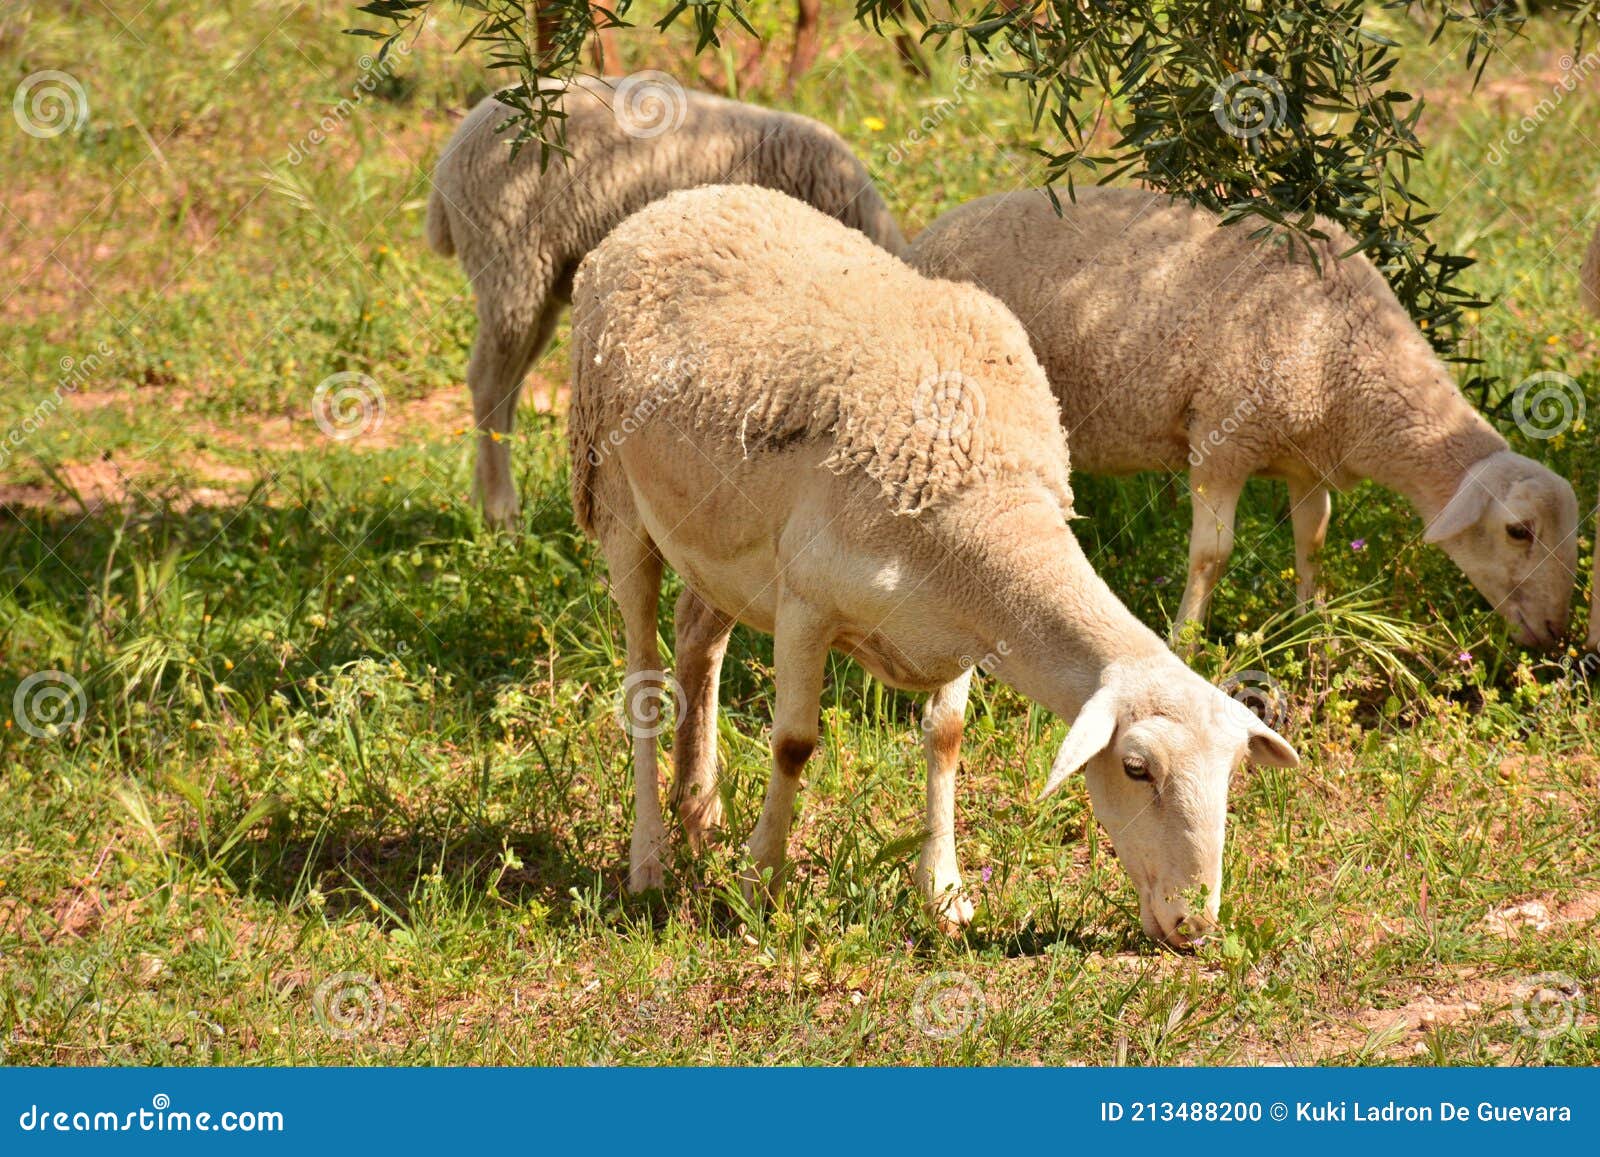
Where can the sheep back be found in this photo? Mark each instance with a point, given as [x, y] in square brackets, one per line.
[492, 208]
[755, 324]
[1156, 324]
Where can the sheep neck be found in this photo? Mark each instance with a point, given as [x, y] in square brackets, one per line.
[1427, 434]
[1056, 626]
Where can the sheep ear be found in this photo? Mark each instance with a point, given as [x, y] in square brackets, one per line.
[1269, 749]
[1463, 510]
[1091, 732]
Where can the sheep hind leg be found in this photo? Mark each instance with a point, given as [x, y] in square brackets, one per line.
[1310, 504]
[799, 651]
[938, 868]
[635, 570]
[701, 640]
[501, 357]
[1210, 543]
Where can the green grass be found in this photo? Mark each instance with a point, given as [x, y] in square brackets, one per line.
[332, 728]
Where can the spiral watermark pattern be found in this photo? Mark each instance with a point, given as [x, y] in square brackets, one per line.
[1260, 694]
[1547, 404]
[949, 403]
[947, 1005]
[1547, 1005]
[649, 104]
[640, 708]
[349, 1005]
[1248, 103]
[47, 104]
[48, 703]
[348, 405]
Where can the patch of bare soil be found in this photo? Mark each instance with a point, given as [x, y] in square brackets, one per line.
[208, 480]
[94, 486]
[1540, 914]
[1451, 95]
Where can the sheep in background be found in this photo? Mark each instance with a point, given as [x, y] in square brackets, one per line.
[883, 473]
[1173, 342]
[520, 232]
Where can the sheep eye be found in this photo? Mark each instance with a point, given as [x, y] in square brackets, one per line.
[1520, 531]
[1135, 767]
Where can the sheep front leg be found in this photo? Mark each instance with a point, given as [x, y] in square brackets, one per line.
[701, 641]
[1310, 505]
[1210, 542]
[938, 869]
[799, 651]
[635, 570]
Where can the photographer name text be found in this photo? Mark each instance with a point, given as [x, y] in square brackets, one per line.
[1329, 1112]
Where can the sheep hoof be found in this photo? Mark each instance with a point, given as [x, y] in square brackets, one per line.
[761, 886]
[702, 819]
[952, 911]
[700, 810]
[643, 877]
[507, 522]
[645, 870]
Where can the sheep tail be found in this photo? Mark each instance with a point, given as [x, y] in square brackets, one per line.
[1590, 275]
[581, 484]
[437, 228]
[583, 418]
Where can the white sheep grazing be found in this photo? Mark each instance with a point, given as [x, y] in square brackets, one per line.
[1174, 342]
[1590, 278]
[520, 232]
[882, 472]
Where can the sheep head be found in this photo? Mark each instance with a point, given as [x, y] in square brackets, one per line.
[1512, 527]
[1157, 748]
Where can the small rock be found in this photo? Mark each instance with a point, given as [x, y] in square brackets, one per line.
[1507, 922]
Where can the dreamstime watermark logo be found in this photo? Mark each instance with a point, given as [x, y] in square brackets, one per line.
[347, 406]
[1260, 694]
[949, 404]
[948, 1005]
[641, 706]
[374, 71]
[50, 103]
[1547, 404]
[349, 1005]
[1273, 378]
[160, 1117]
[664, 379]
[649, 104]
[74, 373]
[651, 1015]
[49, 703]
[972, 73]
[1249, 103]
[1573, 73]
[989, 662]
[1547, 1005]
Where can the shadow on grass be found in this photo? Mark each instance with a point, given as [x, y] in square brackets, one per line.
[388, 878]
